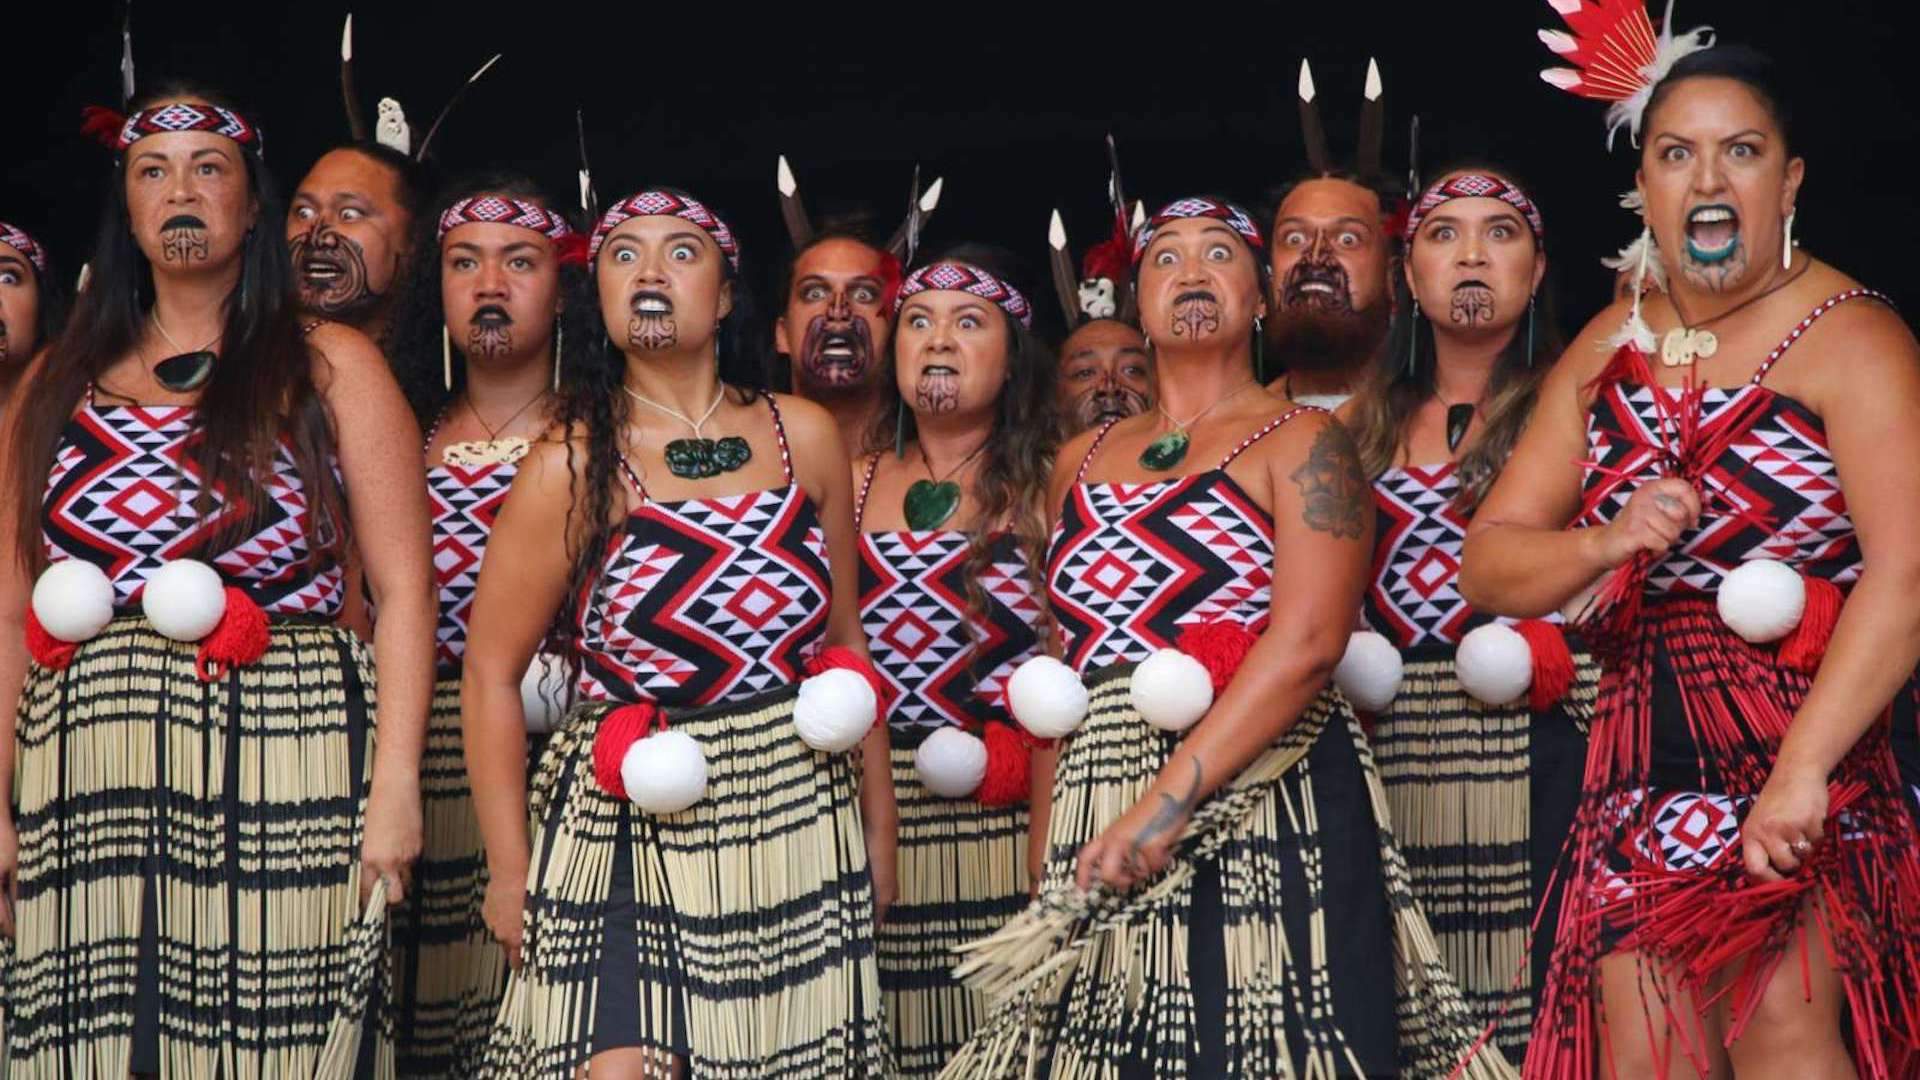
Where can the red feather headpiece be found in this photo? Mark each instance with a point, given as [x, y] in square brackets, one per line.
[1616, 56]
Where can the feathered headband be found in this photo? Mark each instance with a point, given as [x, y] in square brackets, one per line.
[970, 279]
[17, 238]
[1616, 56]
[655, 203]
[1103, 289]
[569, 245]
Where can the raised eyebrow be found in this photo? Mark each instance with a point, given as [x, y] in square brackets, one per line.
[11, 262]
[1750, 133]
[205, 151]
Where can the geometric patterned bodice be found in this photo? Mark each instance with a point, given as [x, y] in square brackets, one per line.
[945, 664]
[1132, 565]
[1414, 597]
[121, 495]
[464, 501]
[1770, 492]
[706, 600]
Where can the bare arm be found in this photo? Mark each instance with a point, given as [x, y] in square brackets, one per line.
[15, 593]
[379, 450]
[1043, 761]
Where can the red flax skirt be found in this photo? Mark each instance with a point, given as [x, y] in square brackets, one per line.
[1684, 734]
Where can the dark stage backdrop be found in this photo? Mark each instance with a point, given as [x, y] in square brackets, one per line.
[1008, 103]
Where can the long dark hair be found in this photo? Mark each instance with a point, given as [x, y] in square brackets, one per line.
[1386, 401]
[261, 387]
[1011, 484]
[414, 340]
[593, 409]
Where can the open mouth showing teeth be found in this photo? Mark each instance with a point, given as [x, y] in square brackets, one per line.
[652, 304]
[837, 347]
[1712, 231]
[938, 370]
[321, 271]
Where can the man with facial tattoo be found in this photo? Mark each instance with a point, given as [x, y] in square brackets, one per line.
[1106, 374]
[349, 230]
[1329, 257]
[834, 330]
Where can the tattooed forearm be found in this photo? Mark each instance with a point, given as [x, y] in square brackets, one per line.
[1170, 813]
[1333, 487]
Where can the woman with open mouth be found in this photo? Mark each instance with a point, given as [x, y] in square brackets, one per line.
[1482, 776]
[207, 793]
[1733, 460]
[31, 305]
[951, 544]
[502, 266]
[707, 860]
[1220, 895]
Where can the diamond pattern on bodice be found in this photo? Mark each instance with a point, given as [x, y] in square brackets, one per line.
[121, 495]
[465, 501]
[1414, 598]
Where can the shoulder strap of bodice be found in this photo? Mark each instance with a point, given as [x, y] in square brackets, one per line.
[1267, 429]
[866, 485]
[780, 435]
[1094, 448]
[1821, 309]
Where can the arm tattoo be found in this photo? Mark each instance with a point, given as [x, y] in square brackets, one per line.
[1171, 810]
[1335, 490]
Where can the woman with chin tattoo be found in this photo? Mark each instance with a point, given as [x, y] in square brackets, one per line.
[951, 548]
[31, 305]
[205, 793]
[1247, 906]
[1482, 778]
[1724, 486]
[707, 862]
[502, 268]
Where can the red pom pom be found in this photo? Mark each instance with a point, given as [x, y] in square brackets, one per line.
[102, 125]
[839, 656]
[1804, 648]
[47, 651]
[571, 250]
[1552, 663]
[240, 637]
[1007, 781]
[619, 729]
[1220, 646]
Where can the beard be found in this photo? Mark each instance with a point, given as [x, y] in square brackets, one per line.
[850, 366]
[1319, 340]
[330, 271]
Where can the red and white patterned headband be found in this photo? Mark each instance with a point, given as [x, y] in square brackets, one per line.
[1198, 207]
[667, 204]
[970, 279]
[181, 116]
[1476, 186]
[506, 210]
[16, 238]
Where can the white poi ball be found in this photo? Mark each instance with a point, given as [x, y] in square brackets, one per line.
[184, 599]
[73, 600]
[1370, 671]
[1495, 664]
[951, 762]
[664, 773]
[1762, 600]
[835, 710]
[1171, 690]
[1047, 697]
[543, 693]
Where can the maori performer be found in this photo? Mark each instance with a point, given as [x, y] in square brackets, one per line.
[1745, 885]
[31, 305]
[504, 265]
[349, 229]
[1106, 372]
[952, 541]
[1477, 725]
[697, 896]
[1333, 249]
[1221, 893]
[201, 768]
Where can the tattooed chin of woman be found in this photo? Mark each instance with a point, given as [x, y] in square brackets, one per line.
[652, 332]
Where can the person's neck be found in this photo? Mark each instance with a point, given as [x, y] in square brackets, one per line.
[497, 388]
[684, 380]
[1194, 380]
[1463, 364]
[854, 411]
[948, 439]
[192, 307]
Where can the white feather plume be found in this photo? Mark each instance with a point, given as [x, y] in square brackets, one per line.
[1629, 259]
[1670, 50]
[1631, 199]
[1635, 330]
[390, 127]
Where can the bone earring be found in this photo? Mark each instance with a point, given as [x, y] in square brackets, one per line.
[1786, 243]
[446, 358]
[557, 341]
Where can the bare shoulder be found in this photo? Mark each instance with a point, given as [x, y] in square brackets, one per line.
[1066, 465]
[1589, 352]
[1315, 456]
[553, 462]
[812, 437]
[338, 351]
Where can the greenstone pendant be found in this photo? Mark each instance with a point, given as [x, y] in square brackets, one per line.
[1165, 452]
[698, 459]
[928, 505]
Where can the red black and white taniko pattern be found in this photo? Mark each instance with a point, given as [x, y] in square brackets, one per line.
[121, 495]
[181, 116]
[706, 600]
[914, 608]
[1689, 720]
[1194, 207]
[667, 204]
[17, 238]
[966, 278]
[1476, 186]
[1131, 565]
[1414, 598]
[465, 502]
[503, 210]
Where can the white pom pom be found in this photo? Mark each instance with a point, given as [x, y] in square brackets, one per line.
[1495, 664]
[835, 710]
[73, 600]
[1047, 697]
[1762, 600]
[184, 599]
[1370, 671]
[665, 772]
[1171, 690]
[951, 762]
[543, 693]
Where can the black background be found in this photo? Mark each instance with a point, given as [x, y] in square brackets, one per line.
[1008, 102]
